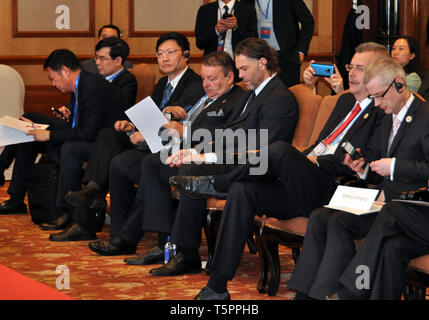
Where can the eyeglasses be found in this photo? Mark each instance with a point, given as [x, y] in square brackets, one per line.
[168, 52]
[101, 58]
[382, 95]
[355, 67]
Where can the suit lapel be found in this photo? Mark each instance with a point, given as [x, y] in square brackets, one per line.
[366, 114]
[258, 99]
[405, 124]
[180, 87]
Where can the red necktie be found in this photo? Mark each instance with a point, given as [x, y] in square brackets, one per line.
[344, 125]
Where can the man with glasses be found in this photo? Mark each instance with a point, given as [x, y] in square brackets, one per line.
[397, 160]
[174, 93]
[110, 55]
[106, 31]
[296, 182]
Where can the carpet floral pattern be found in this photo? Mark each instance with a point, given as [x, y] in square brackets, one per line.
[26, 249]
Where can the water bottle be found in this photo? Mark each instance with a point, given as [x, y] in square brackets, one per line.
[169, 251]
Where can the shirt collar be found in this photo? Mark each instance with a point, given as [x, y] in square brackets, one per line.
[401, 114]
[112, 76]
[230, 5]
[263, 84]
[176, 80]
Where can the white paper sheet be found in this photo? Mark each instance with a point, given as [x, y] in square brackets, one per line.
[355, 200]
[148, 119]
[20, 125]
[14, 131]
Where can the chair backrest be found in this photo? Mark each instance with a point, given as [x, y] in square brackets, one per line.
[308, 104]
[326, 106]
[145, 80]
[12, 92]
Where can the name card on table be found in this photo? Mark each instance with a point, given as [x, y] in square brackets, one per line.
[355, 200]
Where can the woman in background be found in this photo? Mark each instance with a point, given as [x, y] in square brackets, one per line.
[405, 51]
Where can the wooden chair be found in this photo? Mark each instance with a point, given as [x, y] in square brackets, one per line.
[417, 278]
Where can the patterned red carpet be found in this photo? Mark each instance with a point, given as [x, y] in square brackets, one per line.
[26, 249]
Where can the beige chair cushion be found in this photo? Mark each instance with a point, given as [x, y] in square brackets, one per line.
[12, 92]
[420, 264]
[145, 80]
[308, 104]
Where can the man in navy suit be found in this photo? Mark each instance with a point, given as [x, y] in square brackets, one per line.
[90, 98]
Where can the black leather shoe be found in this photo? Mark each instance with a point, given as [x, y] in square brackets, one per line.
[178, 266]
[73, 233]
[87, 197]
[7, 208]
[197, 187]
[208, 294]
[154, 256]
[59, 223]
[112, 247]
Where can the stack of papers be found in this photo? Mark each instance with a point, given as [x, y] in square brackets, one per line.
[14, 131]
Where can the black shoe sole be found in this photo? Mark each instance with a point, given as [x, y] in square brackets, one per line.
[135, 262]
[77, 238]
[117, 253]
[176, 273]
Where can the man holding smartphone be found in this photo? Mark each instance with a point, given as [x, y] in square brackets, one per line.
[221, 25]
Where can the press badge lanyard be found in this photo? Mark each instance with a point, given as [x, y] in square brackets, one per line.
[164, 102]
[75, 103]
[265, 25]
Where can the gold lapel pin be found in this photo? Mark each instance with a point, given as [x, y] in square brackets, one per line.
[224, 101]
[366, 116]
[409, 119]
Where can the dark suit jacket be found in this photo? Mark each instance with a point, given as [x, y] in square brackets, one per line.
[410, 147]
[358, 134]
[286, 16]
[89, 65]
[274, 109]
[124, 97]
[94, 97]
[207, 18]
[188, 91]
[218, 113]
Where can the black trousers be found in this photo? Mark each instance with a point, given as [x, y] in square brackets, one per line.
[289, 71]
[328, 248]
[73, 154]
[398, 234]
[107, 145]
[25, 154]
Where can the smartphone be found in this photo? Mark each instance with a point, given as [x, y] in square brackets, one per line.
[58, 112]
[226, 15]
[348, 148]
[323, 70]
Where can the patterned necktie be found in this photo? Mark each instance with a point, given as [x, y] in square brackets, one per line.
[344, 125]
[396, 123]
[167, 92]
[198, 109]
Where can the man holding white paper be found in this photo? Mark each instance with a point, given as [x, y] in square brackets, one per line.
[90, 96]
[175, 93]
[398, 156]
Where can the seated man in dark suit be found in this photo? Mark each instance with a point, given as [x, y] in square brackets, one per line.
[398, 156]
[110, 56]
[296, 183]
[175, 93]
[221, 25]
[269, 108]
[398, 235]
[106, 31]
[210, 112]
[89, 101]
